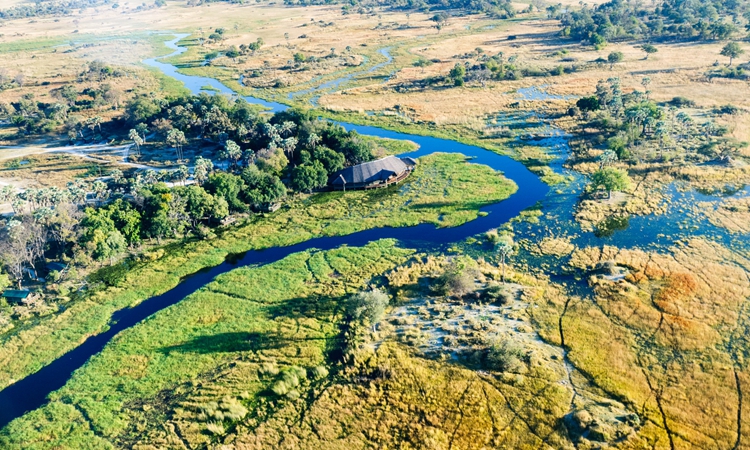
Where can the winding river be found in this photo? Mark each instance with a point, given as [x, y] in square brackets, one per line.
[31, 392]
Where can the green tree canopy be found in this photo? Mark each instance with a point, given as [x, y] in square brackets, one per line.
[732, 50]
[610, 179]
[649, 49]
[307, 177]
[228, 187]
[615, 57]
[369, 306]
[262, 187]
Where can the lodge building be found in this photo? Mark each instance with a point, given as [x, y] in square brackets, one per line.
[374, 174]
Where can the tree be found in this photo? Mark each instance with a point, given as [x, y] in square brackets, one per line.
[332, 161]
[137, 140]
[181, 174]
[648, 49]
[176, 139]
[261, 187]
[228, 187]
[608, 157]
[271, 159]
[232, 152]
[504, 249]
[67, 93]
[457, 73]
[422, 63]
[289, 145]
[440, 19]
[232, 53]
[369, 307]
[456, 281]
[142, 109]
[142, 129]
[21, 246]
[203, 168]
[611, 179]
[732, 50]
[588, 103]
[307, 177]
[200, 205]
[614, 58]
[101, 237]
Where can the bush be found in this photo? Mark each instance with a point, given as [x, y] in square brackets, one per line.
[588, 103]
[728, 109]
[499, 293]
[369, 306]
[454, 281]
[269, 368]
[504, 355]
[682, 102]
[319, 372]
[215, 428]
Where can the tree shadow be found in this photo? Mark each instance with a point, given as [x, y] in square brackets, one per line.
[319, 307]
[228, 343]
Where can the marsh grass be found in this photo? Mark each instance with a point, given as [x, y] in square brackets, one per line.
[276, 311]
[444, 190]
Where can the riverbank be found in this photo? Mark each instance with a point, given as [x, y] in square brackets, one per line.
[443, 191]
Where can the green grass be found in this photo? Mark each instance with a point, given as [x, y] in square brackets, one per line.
[443, 190]
[285, 312]
[391, 146]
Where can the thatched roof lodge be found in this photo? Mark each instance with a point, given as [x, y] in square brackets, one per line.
[374, 174]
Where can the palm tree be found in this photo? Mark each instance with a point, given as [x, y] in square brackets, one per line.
[203, 167]
[181, 174]
[289, 145]
[504, 249]
[313, 140]
[232, 152]
[176, 139]
[286, 128]
[137, 140]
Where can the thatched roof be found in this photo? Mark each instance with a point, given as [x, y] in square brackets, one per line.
[373, 171]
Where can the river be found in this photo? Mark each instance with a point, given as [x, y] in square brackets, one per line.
[31, 392]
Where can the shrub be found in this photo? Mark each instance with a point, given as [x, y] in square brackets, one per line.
[455, 281]
[269, 368]
[505, 356]
[499, 293]
[588, 103]
[215, 428]
[728, 109]
[319, 372]
[369, 307]
[682, 102]
[280, 388]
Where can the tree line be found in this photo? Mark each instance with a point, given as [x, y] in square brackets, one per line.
[618, 20]
[260, 159]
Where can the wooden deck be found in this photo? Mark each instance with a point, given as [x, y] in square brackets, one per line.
[360, 187]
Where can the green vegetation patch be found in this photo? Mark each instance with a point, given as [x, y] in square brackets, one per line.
[443, 190]
[283, 314]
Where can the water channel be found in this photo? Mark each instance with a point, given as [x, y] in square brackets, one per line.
[31, 392]
[558, 207]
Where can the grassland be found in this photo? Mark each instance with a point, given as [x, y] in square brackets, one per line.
[276, 316]
[444, 190]
[653, 357]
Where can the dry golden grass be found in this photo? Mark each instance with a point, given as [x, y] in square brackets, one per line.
[632, 338]
[50, 169]
[731, 214]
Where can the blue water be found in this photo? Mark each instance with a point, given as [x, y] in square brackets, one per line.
[32, 391]
[558, 206]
